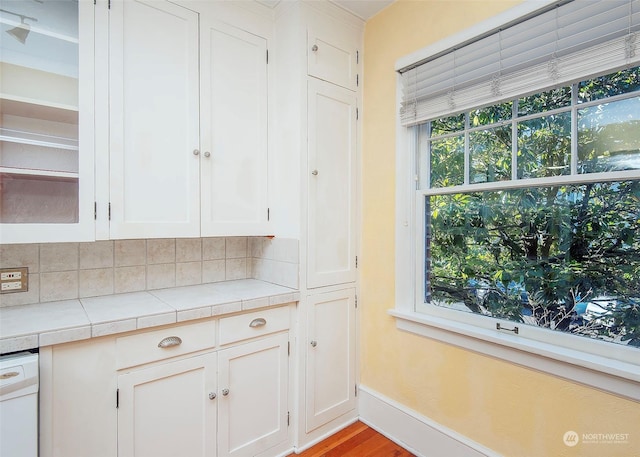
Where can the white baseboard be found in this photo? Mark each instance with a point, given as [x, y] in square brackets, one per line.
[418, 434]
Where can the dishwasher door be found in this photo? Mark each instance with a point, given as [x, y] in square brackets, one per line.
[19, 405]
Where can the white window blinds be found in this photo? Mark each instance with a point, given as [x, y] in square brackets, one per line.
[563, 44]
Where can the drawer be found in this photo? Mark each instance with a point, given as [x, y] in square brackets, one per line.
[251, 325]
[147, 347]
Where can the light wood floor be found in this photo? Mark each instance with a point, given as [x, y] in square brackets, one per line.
[357, 440]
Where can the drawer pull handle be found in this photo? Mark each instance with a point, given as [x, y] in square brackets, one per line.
[259, 322]
[170, 341]
[9, 375]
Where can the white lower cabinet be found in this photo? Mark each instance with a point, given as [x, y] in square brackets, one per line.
[331, 357]
[168, 410]
[177, 391]
[253, 386]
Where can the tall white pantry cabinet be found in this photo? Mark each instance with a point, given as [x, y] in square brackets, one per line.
[318, 91]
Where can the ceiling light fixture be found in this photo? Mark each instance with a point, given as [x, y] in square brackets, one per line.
[21, 31]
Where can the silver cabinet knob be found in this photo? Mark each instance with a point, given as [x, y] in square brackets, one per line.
[212, 395]
[225, 392]
[196, 152]
[314, 344]
[314, 48]
[207, 154]
[314, 172]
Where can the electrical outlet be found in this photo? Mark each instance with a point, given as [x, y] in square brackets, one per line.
[14, 280]
[11, 285]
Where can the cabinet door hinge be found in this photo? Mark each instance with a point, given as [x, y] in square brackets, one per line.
[357, 56]
[109, 210]
[117, 398]
[109, 4]
[356, 261]
[357, 114]
[95, 211]
[356, 301]
[268, 213]
[356, 390]
[267, 56]
[288, 347]
[288, 418]
[357, 80]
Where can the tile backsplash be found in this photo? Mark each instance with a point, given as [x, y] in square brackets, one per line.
[61, 271]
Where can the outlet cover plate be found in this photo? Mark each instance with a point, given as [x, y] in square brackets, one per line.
[14, 280]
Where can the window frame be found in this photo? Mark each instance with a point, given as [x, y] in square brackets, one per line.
[602, 365]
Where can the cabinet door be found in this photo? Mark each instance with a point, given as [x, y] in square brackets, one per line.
[154, 120]
[331, 353]
[332, 52]
[252, 392]
[46, 122]
[234, 130]
[166, 410]
[332, 185]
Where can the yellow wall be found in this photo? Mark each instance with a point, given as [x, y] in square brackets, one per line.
[513, 410]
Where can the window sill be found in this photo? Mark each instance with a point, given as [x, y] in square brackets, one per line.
[612, 376]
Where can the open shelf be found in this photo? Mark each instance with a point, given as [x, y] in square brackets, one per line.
[37, 139]
[39, 174]
[38, 109]
[21, 84]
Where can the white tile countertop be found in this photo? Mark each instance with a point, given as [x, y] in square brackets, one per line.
[43, 324]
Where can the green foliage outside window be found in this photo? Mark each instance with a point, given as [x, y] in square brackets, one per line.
[559, 256]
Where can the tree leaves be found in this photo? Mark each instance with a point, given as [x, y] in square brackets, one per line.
[494, 250]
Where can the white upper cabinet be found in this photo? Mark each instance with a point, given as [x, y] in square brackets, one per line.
[234, 130]
[188, 119]
[46, 121]
[332, 53]
[154, 120]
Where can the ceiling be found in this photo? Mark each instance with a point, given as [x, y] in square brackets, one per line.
[364, 9]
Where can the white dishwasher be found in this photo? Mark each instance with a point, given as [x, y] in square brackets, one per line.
[19, 405]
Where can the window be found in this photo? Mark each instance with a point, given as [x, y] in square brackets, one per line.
[562, 254]
[519, 214]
